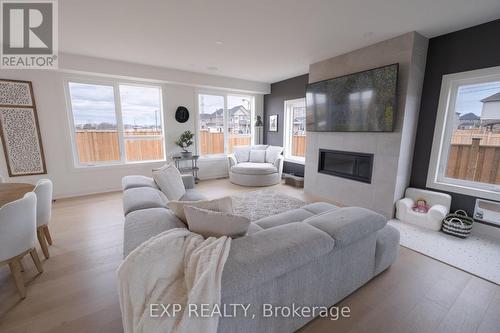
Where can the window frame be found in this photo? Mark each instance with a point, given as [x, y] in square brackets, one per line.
[436, 178]
[288, 131]
[115, 84]
[225, 95]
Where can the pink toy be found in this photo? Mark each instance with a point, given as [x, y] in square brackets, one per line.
[421, 206]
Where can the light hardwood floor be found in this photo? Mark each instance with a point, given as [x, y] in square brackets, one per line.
[77, 291]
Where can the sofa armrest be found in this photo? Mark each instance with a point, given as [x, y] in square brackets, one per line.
[267, 254]
[231, 160]
[438, 212]
[137, 181]
[348, 225]
[403, 205]
[279, 163]
[188, 181]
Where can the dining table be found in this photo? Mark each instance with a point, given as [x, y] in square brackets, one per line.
[13, 191]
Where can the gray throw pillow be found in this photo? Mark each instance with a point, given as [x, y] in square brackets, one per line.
[272, 153]
[209, 223]
[224, 204]
[259, 147]
[169, 180]
[257, 156]
[242, 154]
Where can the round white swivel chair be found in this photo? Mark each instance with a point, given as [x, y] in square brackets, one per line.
[17, 236]
[43, 191]
[2, 180]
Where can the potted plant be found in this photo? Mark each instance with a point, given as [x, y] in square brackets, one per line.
[184, 141]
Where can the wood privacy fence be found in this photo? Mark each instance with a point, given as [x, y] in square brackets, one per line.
[103, 146]
[213, 143]
[475, 162]
[299, 145]
[465, 137]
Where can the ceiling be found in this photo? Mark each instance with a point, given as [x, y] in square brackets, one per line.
[259, 40]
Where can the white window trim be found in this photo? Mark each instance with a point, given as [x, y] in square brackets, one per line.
[287, 129]
[224, 95]
[442, 136]
[115, 83]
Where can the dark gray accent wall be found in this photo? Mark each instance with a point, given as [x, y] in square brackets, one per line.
[274, 104]
[460, 51]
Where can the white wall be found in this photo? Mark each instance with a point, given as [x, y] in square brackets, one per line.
[491, 111]
[393, 152]
[179, 89]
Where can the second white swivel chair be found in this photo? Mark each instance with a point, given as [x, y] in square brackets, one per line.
[17, 237]
[43, 191]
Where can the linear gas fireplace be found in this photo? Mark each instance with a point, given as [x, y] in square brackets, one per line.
[345, 164]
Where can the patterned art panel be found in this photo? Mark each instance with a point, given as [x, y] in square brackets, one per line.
[21, 140]
[15, 93]
[19, 129]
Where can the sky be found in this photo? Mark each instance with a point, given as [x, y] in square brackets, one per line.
[95, 104]
[469, 97]
[212, 103]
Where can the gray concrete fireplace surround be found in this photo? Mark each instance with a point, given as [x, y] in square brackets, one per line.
[393, 152]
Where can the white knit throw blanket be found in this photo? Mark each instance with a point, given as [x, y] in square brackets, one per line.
[175, 267]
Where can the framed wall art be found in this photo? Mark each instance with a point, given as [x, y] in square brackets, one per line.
[19, 129]
[273, 123]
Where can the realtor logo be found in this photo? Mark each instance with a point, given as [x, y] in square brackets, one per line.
[29, 34]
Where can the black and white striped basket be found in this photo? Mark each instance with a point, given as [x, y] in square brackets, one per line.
[457, 224]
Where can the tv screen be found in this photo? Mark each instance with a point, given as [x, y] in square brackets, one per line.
[360, 102]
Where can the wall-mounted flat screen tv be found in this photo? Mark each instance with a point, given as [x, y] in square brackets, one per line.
[360, 102]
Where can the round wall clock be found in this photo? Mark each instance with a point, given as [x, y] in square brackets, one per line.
[182, 114]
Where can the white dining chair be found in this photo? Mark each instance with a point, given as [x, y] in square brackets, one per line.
[17, 237]
[43, 191]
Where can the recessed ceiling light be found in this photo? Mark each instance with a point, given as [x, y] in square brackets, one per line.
[212, 68]
[219, 42]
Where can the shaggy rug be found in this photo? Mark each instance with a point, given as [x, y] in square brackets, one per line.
[262, 203]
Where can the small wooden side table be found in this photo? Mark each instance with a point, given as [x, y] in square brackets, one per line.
[13, 191]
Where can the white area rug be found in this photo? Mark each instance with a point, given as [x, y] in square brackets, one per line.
[479, 255]
[262, 203]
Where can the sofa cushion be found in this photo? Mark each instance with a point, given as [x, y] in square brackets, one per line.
[137, 181]
[250, 168]
[294, 215]
[192, 195]
[348, 225]
[319, 207]
[143, 224]
[267, 254]
[253, 228]
[242, 154]
[210, 223]
[257, 156]
[224, 204]
[143, 198]
[272, 153]
[169, 181]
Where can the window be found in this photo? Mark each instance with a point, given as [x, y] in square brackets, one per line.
[225, 121]
[115, 123]
[466, 148]
[295, 130]
[141, 112]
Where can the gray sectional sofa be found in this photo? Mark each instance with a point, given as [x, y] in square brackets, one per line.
[312, 256]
